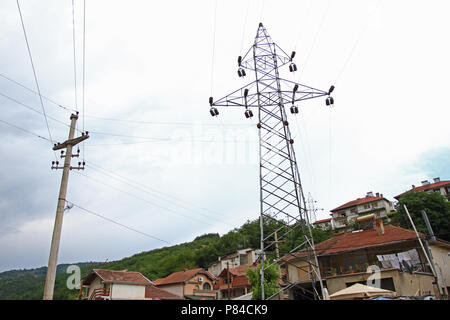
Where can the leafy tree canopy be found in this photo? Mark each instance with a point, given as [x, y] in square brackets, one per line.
[434, 204]
[271, 275]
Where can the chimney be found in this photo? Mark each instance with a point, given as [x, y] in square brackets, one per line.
[438, 179]
[413, 186]
[381, 195]
[377, 194]
[379, 226]
[425, 182]
[369, 194]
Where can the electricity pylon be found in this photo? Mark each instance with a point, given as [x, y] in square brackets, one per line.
[281, 195]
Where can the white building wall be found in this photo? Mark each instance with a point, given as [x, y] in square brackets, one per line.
[441, 260]
[177, 289]
[96, 284]
[126, 291]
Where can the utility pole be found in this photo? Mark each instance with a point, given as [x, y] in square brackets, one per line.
[281, 193]
[228, 281]
[68, 145]
[427, 255]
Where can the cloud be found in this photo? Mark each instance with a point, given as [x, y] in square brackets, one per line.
[154, 63]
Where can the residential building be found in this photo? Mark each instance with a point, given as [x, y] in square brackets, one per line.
[191, 284]
[232, 282]
[442, 187]
[235, 259]
[325, 224]
[393, 251]
[347, 213]
[103, 284]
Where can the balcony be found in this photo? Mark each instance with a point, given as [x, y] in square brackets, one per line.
[100, 294]
[362, 268]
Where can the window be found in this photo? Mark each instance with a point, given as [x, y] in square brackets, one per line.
[206, 286]
[375, 204]
[366, 206]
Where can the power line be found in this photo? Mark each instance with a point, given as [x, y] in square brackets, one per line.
[84, 64]
[119, 224]
[34, 73]
[144, 188]
[144, 200]
[25, 130]
[315, 38]
[214, 46]
[163, 122]
[31, 90]
[156, 139]
[74, 54]
[117, 119]
[32, 109]
[355, 45]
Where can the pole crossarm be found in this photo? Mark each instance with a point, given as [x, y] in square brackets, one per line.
[71, 142]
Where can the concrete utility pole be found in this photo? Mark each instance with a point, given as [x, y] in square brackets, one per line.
[68, 145]
[427, 255]
[228, 281]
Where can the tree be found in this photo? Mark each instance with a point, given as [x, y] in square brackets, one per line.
[271, 275]
[434, 204]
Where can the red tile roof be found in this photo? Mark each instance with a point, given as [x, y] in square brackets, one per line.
[343, 242]
[240, 281]
[427, 187]
[322, 221]
[182, 276]
[116, 276]
[152, 292]
[237, 275]
[357, 202]
[238, 271]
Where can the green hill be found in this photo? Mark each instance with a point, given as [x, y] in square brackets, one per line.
[154, 264]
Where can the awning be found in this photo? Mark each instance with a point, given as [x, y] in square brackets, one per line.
[192, 297]
[361, 291]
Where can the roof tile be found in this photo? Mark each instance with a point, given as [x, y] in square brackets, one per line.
[351, 241]
[122, 276]
[357, 202]
[181, 276]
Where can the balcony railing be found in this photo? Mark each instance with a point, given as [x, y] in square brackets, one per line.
[362, 269]
[100, 294]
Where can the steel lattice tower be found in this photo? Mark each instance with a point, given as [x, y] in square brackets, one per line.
[281, 194]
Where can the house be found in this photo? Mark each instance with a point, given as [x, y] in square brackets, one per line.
[191, 284]
[325, 224]
[103, 284]
[232, 282]
[235, 259]
[393, 251]
[442, 187]
[347, 213]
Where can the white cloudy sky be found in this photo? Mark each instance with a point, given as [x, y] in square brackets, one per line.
[159, 163]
